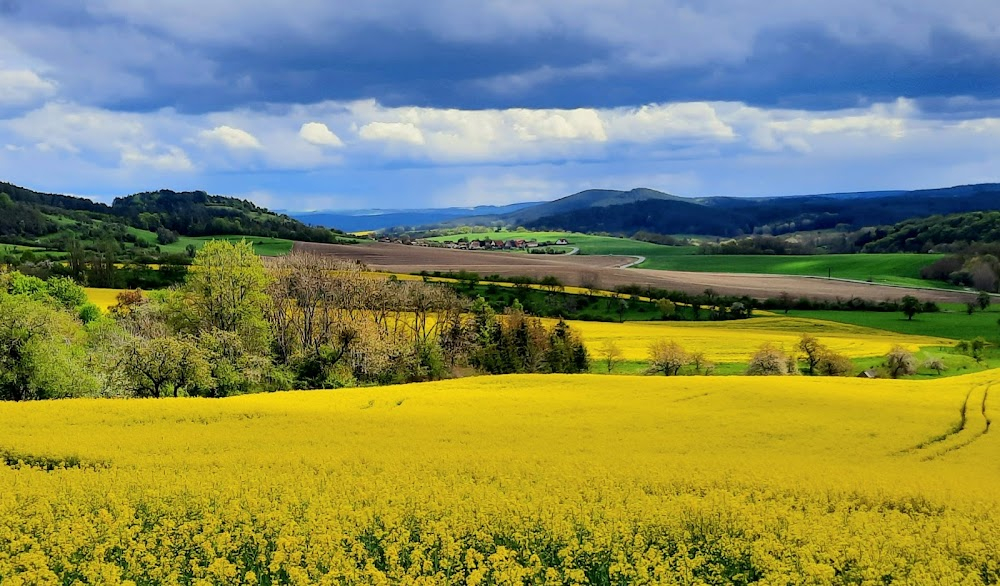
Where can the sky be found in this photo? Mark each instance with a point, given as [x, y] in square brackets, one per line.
[329, 104]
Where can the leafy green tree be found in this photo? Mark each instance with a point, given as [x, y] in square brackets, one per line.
[228, 286]
[911, 306]
[667, 308]
[156, 367]
[983, 300]
[41, 352]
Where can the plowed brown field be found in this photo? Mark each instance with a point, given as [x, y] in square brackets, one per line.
[605, 272]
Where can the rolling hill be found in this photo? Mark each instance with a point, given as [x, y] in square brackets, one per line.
[626, 212]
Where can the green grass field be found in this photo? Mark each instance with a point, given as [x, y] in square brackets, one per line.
[897, 269]
[263, 246]
[902, 269]
[952, 322]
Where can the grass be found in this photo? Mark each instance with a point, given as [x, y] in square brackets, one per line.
[952, 322]
[898, 269]
[263, 246]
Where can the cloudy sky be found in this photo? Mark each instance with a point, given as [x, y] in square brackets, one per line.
[330, 104]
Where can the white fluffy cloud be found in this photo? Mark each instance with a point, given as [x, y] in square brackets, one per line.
[233, 138]
[319, 134]
[23, 86]
[679, 147]
[404, 132]
[172, 159]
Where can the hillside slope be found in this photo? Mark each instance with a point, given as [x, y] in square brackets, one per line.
[32, 218]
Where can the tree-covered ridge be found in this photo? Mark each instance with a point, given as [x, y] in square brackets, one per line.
[28, 215]
[938, 233]
[739, 216]
[196, 213]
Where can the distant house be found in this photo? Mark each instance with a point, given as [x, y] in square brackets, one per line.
[498, 244]
[562, 242]
[870, 373]
[475, 245]
[516, 243]
[531, 244]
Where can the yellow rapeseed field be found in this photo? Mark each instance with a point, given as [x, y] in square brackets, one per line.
[736, 341]
[103, 298]
[526, 479]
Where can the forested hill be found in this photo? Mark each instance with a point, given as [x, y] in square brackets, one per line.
[626, 212]
[937, 233]
[28, 215]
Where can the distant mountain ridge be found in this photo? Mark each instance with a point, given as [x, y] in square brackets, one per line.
[380, 219]
[627, 212]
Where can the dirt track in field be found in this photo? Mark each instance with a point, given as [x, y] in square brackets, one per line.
[604, 271]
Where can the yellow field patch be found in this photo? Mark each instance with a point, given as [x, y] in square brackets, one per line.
[103, 298]
[736, 341]
[567, 479]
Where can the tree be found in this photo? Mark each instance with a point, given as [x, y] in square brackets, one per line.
[813, 351]
[41, 352]
[551, 283]
[699, 361]
[667, 357]
[770, 360]
[900, 362]
[667, 308]
[228, 285]
[166, 236]
[936, 364]
[834, 364]
[785, 301]
[167, 364]
[983, 300]
[610, 353]
[911, 306]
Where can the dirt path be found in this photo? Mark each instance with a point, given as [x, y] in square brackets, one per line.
[605, 272]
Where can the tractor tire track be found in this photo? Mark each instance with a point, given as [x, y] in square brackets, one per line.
[956, 429]
[980, 433]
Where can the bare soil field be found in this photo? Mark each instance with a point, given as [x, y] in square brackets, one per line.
[605, 273]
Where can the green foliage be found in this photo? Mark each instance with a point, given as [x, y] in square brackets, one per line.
[938, 232]
[518, 343]
[41, 353]
[911, 306]
[228, 284]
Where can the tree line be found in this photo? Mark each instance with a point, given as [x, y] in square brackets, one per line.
[238, 324]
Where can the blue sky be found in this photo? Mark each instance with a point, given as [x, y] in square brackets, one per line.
[315, 104]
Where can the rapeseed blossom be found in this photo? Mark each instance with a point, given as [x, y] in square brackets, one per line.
[522, 479]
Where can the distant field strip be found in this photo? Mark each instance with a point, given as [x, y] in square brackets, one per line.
[736, 341]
